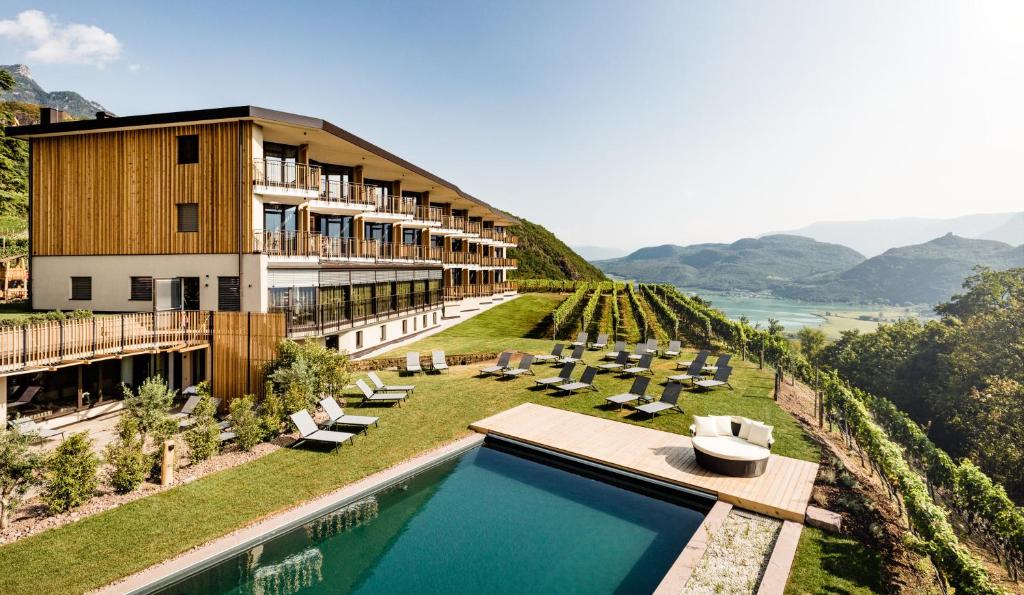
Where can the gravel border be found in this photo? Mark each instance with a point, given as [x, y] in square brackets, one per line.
[736, 557]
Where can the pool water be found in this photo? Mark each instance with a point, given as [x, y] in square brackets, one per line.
[488, 520]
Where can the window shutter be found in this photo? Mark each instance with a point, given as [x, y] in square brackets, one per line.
[229, 294]
[81, 288]
[142, 289]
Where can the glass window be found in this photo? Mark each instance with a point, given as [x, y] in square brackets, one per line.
[333, 226]
[188, 149]
[335, 181]
[280, 162]
[379, 191]
[412, 236]
[279, 217]
[280, 298]
[188, 217]
[81, 288]
[377, 231]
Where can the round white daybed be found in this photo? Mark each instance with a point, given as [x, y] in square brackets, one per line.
[726, 453]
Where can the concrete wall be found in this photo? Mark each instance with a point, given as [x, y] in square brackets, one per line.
[394, 331]
[111, 279]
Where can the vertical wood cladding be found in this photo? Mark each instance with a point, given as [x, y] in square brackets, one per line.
[115, 192]
[243, 344]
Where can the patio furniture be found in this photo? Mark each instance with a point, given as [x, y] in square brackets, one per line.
[601, 343]
[644, 367]
[556, 353]
[692, 373]
[723, 360]
[412, 363]
[30, 426]
[586, 381]
[581, 339]
[637, 392]
[184, 417]
[187, 408]
[669, 401]
[576, 357]
[438, 362]
[26, 397]
[702, 355]
[336, 416]
[380, 387]
[673, 350]
[638, 351]
[380, 397]
[651, 347]
[620, 346]
[721, 379]
[565, 375]
[734, 446]
[524, 367]
[620, 362]
[308, 431]
[503, 360]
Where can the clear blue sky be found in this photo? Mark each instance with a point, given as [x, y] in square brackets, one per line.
[612, 123]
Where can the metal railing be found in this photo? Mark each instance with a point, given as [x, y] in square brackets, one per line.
[432, 214]
[328, 318]
[347, 192]
[52, 343]
[274, 173]
[463, 258]
[308, 244]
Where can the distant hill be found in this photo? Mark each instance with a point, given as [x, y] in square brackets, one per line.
[27, 90]
[751, 264]
[923, 273]
[595, 253]
[543, 256]
[873, 237]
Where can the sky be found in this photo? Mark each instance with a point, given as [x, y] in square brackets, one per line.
[621, 124]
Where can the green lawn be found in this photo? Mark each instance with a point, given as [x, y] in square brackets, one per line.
[104, 547]
[829, 563]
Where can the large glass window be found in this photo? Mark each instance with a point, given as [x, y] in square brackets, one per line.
[333, 226]
[280, 162]
[412, 236]
[279, 217]
[380, 232]
[335, 181]
[379, 191]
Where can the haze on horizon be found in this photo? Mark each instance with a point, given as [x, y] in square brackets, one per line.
[611, 124]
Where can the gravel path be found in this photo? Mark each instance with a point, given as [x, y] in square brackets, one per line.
[736, 556]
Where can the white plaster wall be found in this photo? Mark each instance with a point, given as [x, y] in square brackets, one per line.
[371, 333]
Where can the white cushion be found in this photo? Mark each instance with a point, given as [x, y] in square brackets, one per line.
[730, 447]
[724, 424]
[706, 426]
[745, 427]
[760, 435]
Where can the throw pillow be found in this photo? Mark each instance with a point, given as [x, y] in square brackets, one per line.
[760, 435]
[705, 426]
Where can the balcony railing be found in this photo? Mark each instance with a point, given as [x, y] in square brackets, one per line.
[329, 318]
[306, 244]
[273, 173]
[495, 261]
[432, 214]
[463, 258]
[348, 192]
[459, 292]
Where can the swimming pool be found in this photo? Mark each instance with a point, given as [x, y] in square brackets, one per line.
[499, 518]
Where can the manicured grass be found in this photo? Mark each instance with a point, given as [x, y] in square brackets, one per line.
[110, 545]
[829, 563]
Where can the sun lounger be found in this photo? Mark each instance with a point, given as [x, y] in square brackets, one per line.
[702, 355]
[29, 426]
[638, 352]
[336, 416]
[437, 361]
[620, 346]
[309, 431]
[26, 397]
[723, 360]
[575, 358]
[186, 420]
[412, 363]
[581, 339]
[637, 392]
[669, 401]
[556, 353]
[620, 363]
[644, 367]
[692, 373]
[187, 408]
[651, 348]
[586, 381]
[524, 367]
[673, 349]
[380, 387]
[564, 376]
[380, 397]
[721, 379]
[503, 360]
[601, 343]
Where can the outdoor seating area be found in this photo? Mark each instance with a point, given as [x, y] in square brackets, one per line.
[734, 446]
[438, 363]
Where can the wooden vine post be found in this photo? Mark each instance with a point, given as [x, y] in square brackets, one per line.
[778, 382]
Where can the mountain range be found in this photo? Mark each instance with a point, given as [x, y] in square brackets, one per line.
[875, 236]
[803, 268]
[28, 91]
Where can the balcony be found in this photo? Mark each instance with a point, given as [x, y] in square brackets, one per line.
[424, 216]
[344, 198]
[305, 321]
[498, 262]
[284, 180]
[314, 245]
[461, 259]
[460, 292]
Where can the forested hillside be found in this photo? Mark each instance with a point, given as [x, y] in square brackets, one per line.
[13, 162]
[543, 256]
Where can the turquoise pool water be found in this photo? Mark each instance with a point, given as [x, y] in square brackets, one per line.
[488, 521]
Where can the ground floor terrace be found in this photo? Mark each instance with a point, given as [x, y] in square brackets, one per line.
[108, 546]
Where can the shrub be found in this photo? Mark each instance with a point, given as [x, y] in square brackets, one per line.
[313, 367]
[128, 460]
[203, 437]
[71, 474]
[19, 471]
[151, 408]
[272, 413]
[246, 425]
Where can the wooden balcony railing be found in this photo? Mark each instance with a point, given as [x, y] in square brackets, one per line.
[459, 292]
[305, 244]
[274, 173]
[53, 343]
[463, 258]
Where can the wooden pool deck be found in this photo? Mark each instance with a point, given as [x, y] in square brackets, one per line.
[782, 492]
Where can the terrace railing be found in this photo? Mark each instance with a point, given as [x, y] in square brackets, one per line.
[327, 318]
[53, 343]
[431, 214]
[306, 244]
[274, 173]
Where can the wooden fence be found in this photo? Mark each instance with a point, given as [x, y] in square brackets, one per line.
[243, 343]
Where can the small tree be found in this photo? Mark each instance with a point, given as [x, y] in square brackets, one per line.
[19, 471]
[203, 437]
[315, 369]
[272, 413]
[812, 343]
[151, 407]
[128, 459]
[246, 425]
[71, 474]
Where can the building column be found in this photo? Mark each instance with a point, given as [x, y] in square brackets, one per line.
[186, 369]
[3, 400]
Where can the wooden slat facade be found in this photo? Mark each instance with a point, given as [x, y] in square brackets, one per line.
[115, 192]
[782, 492]
[243, 343]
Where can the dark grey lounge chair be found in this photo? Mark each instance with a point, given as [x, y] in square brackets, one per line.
[380, 387]
[26, 397]
[723, 360]
[638, 351]
[309, 431]
[701, 355]
[565, 375]
[601, 343]
[438, 362]
[184, 417]
[651, 348]
[412, 363]
[620, 346]
[586, 381]
[692, 373]
[576, 357]
[644, 367]
[669, 401]
[620, 363]
[336, 416]
[637, 392]
[503, 360]
[581, 339]
[380, 397]
[556, 353]
[721, 379]
[524, 367]
[673, 350]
